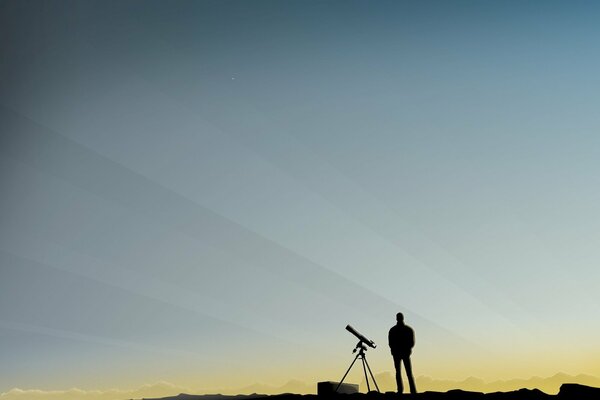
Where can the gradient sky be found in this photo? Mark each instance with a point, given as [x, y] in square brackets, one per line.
[207, 192]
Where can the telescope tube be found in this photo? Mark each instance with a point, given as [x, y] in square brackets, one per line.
[360, 337]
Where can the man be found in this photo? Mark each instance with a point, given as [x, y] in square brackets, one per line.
[402, 339]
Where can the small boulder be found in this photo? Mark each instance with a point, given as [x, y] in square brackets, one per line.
[576, 391]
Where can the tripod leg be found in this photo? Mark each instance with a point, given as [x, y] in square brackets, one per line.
[366, 377]
[344, 377]
[370, 372]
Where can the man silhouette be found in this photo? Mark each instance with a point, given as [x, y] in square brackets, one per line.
[402, 339]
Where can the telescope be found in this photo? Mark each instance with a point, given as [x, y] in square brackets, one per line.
[361, 349]
[361, 338]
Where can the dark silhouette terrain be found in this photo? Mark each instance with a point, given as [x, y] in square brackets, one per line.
[568, 391]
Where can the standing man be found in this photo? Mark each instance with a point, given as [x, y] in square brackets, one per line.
[402, 340]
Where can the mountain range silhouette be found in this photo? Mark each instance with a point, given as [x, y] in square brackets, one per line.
[532, 388]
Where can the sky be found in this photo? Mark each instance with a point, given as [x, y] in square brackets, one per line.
[205, 193]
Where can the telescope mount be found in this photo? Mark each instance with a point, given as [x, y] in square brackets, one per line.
[361, 349]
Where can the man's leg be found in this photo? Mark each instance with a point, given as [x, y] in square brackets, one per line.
[409, 374]
[398, 365]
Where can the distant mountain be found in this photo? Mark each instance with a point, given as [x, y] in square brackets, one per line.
[159, 389]
[293, 386]
[551, 385]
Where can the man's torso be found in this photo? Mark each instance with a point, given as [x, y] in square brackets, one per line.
[401, 340]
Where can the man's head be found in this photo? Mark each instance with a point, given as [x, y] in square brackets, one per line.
[400, 318]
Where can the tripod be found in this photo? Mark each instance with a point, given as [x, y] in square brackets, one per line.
[361, 348]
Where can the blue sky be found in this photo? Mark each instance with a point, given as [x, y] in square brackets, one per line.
[189, 187]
